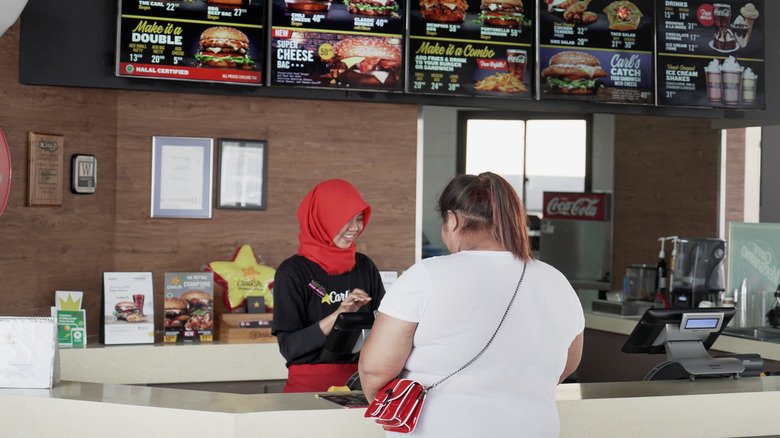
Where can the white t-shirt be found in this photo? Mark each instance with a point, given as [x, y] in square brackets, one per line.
[458, 301]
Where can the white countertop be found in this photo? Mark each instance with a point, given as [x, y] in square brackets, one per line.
[704, 408]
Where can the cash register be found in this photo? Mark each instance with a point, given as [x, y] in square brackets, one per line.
[686, 335]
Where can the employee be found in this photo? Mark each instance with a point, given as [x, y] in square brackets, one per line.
[326, 277]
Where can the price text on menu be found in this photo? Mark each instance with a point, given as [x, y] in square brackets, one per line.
[471, 47]
[711, 54]
[597, 50]
[337, 44]
[193, 40]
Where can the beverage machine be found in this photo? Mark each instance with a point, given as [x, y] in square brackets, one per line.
[697, 273]
[576, 237]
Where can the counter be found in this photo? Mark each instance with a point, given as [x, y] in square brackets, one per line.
[705, 408]
[219, 362]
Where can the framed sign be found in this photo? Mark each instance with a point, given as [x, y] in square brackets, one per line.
[241, 179]
[182, 171]
[45, 169]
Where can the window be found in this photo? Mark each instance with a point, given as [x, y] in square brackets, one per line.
[534, 154]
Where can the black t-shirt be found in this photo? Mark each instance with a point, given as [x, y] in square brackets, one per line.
[304, 294]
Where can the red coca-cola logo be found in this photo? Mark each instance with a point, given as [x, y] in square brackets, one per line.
[577, 206]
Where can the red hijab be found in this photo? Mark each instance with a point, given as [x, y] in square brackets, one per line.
[321, 215]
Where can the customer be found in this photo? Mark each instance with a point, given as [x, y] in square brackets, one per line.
[325, 278]
[442, 311]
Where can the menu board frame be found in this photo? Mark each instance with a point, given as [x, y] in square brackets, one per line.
[485, 48]
[602, 52]
[213, 41]
[336, 45]
[711, 54]
[424, 64]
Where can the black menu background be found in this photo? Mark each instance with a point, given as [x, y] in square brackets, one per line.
[179, 24]
[450, 58]
[625, 55]
[685, 33]
[302, 43]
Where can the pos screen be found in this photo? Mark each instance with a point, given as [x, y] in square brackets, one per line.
[704, 324]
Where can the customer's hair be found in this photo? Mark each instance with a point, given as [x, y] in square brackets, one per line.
[487, 202]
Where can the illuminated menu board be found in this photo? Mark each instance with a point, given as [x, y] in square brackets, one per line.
[711, 54]
[355, 44]
[195, 40]
[471, 47]
[597, 50]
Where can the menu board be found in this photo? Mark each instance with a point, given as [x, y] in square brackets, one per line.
[194, 40]
[337, 44]
[711, 54]
[597, 50]
[471, 47]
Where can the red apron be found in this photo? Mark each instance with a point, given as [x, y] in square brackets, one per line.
[319, 377]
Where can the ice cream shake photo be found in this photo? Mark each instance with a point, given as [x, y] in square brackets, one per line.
[731, 75]
[714, 87]
[749, 80]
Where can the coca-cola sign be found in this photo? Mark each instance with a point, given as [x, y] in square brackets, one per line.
[575, 206]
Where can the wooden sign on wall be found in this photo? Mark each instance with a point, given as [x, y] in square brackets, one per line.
[45, 169]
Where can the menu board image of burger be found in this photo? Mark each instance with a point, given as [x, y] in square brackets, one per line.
[319, 59]
[597, 50]
[711, 54]
[198, 40]
[337, 44]
[471, 47]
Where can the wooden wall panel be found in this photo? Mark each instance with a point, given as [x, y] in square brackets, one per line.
[666, 179]
[43, 249]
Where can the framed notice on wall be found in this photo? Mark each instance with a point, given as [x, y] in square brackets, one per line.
[45, 169]
[182, 170]
[241, 175]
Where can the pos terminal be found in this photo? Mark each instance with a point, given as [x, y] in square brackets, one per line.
[685, 335]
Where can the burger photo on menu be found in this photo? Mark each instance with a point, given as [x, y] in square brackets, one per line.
[502, 13]
[444, 11]
[228, 2]
[307, 6]
[372, 7]
[224, 47]
[573, 72]
[365, 62]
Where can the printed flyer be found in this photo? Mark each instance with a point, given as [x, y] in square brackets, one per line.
[189, 307]
[128, 308]
[341, 44]
[597, 50]
[711, 54]
[471, 47]
[193, 40]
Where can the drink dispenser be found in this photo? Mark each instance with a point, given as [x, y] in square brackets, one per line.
[698, 271]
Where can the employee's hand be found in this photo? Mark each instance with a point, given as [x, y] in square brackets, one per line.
[354, 301]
